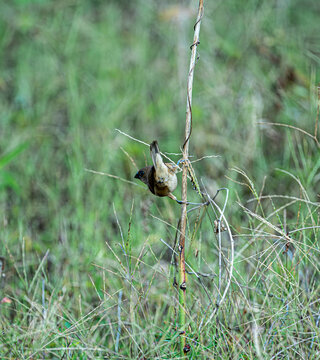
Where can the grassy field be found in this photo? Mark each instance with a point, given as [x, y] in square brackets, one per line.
[84, 273]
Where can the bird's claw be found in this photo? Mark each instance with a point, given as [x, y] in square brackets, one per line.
[182, 161]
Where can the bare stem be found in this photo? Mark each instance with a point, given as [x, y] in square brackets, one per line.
[185, 156]
[317, 119]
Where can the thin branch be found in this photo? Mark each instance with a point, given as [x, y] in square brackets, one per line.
[132, 138]
[268, 197]
[265, 222]
[114, 177]
[142, 142]
[291, 127]
[193, 272]
[317, 118]
[205, 157]
[119, 322]
[185, 157]
[231, 261]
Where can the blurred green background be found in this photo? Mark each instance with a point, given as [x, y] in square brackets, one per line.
[71, 73]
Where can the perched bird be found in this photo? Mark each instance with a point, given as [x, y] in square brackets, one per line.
[160, 177]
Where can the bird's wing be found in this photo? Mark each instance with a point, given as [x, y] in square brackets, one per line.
[173, 168]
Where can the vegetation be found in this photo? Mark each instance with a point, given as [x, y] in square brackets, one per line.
[86, 274]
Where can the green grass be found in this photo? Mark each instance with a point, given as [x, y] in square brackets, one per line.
[83, 250]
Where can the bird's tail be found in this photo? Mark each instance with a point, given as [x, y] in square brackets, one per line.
[155, 154]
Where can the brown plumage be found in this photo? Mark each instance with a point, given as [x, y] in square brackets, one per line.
[160, 177]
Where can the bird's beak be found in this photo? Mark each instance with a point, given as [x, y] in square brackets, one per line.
[137, 176]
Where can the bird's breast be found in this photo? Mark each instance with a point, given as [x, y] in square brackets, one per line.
[165, 185]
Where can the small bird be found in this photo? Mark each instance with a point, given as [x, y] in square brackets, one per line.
[160, 177]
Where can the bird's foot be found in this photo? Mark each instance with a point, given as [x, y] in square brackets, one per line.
[182, 162]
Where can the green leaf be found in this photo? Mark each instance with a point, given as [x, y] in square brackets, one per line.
[4, 160]
[7, 180]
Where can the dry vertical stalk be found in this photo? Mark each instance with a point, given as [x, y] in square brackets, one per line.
[317, 118]
[185, 155]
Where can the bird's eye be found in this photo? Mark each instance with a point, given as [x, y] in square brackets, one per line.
[141, 173]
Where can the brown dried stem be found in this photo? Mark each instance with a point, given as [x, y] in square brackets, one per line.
[185, 157]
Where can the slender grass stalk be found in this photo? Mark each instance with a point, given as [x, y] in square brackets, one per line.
[185, 156]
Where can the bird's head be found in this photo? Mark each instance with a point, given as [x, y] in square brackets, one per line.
[142, 175]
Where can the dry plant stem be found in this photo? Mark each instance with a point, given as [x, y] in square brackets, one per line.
[231, 261]
[314, 137]
[192, 272]
[141, 142]
[317, 118]
[185, 156]
[119, 322]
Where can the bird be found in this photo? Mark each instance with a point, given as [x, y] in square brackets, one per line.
[160, 177]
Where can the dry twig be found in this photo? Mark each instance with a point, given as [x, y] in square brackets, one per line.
[185, 157]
